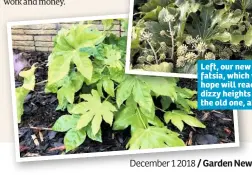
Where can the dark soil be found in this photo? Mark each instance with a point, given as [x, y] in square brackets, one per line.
[40, 115]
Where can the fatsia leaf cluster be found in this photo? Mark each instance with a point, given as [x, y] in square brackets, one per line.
[86, 70]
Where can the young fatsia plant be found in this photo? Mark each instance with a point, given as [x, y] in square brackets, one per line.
[86, 71]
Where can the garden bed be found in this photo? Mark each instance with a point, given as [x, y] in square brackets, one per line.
[40, 115]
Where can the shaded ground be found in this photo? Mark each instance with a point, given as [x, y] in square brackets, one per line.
[39, 116]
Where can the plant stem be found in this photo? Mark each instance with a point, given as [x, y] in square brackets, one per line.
[109, 95]
[158, 50]
[107, 98]
[40, 128]
[153, 50]
[139, 13]
[141, 118]
[160, 109]
[42, 82]
[172, 38]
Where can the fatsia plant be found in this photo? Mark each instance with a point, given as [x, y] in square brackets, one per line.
[86, 71]
[170, 36]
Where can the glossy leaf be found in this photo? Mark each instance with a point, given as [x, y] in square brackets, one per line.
[130, 116]
[109, 87]
[95, 111]
[97, 137]
[59, 68]
[178, 117]
[154, 137]
[67, 49]
[141, 86]
[211, 23]
[65, 123]
[74, 138]
[185, 93]
[83, 64]
[161, 86]
[125, 89]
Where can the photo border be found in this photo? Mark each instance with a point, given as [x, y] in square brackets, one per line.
[96, 154]
[143, 72]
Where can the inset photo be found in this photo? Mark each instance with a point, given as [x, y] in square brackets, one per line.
[71, 96]
[166, 38]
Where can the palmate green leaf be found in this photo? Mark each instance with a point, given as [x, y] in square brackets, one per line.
[20, 93]
[67, 50]
[140, 88]
[65, 123]
[161, 86]
[29, 78]
[130, 116]
[74, 138]
[79, 108]
[183, 101]
[93, 111]
[178, 117]
[84, 36]
[243, 4]
[213, 24]
[154, 137]
[140, 91]
[185, 93]
[185, 104]
[113, 57]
